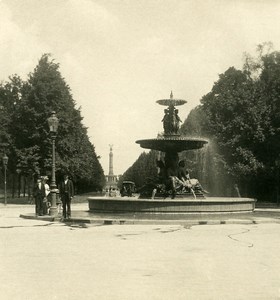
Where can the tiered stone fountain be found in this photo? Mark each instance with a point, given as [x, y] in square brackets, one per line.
[170, 144]
[163, 201]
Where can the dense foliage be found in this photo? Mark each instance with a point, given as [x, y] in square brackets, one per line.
[26, 105]
[240, 116]
[143, 170]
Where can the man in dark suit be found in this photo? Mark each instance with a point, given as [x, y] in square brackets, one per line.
[66, 190]
[39, 193]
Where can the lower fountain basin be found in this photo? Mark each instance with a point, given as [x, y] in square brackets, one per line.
[170, 206]
[172, 143]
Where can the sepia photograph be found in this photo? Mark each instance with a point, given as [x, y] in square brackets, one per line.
[139, 149]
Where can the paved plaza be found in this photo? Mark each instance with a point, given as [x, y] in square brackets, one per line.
[55, 260]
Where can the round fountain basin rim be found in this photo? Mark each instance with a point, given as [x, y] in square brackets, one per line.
[170, 206]
[176, 200]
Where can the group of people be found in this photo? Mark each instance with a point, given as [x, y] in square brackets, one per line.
[41, 192]
[175, 178]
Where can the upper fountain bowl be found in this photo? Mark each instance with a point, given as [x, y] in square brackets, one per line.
[172, 102]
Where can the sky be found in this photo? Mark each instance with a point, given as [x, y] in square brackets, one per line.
[120, 56]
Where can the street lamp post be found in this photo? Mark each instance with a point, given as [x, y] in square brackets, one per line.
[19, 183]
[277, 164]
[53, 124]
[5, 163]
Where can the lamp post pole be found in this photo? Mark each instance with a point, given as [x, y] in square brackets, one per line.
[19, 183]
[5, 163]
[53, 124]
[277, 163]
[53, 208]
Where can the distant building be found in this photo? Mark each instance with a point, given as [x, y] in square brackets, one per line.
[111, 179]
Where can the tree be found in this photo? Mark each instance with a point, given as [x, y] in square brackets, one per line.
[241, 116]
[143, 170]
[30, 104]
[10, 94]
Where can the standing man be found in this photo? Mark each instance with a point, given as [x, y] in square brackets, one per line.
[39, 194]
[66, 190]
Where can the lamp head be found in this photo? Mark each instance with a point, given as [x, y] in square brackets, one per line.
[5, 160]
[53, 122]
